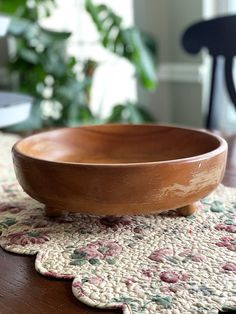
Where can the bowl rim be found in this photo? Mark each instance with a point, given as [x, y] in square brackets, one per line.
[223, 147]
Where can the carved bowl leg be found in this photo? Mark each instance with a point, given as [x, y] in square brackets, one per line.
[187, 210]
[53, 211]
[111, 220]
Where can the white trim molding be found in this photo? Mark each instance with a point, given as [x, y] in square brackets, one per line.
[181, 72]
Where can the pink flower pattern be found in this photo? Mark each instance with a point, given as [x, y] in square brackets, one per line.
[96, 280]
[173, 276]
[228, 228]
[229, 267]
[79, 288]
[13, 209]
[26, 238]
[159, 255]
[227, 242]
[170, 276]
[101, 249]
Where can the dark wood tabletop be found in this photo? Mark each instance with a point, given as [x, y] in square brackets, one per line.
[23, 290]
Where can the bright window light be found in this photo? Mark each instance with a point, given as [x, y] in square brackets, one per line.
[114, 80]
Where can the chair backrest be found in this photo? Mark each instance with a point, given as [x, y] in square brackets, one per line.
[218, 35]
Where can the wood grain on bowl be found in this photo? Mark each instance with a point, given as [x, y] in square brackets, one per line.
[120, 169]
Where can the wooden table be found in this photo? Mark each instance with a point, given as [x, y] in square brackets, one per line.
[23, 290]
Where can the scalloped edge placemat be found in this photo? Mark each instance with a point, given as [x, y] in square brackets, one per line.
[141, 264]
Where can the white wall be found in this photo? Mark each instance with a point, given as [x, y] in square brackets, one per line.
[179, 96]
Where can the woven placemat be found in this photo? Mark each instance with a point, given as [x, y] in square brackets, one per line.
[141, 264]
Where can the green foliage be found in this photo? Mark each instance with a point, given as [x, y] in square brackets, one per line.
[31, 10]
[48, 74]
[43, 68]
[129, 113]
[39, 53]
[126, 42]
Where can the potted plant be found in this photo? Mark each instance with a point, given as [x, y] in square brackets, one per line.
[49, 75]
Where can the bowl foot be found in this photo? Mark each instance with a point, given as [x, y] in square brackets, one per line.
[187, 210]
[111, 220]
[52, 211]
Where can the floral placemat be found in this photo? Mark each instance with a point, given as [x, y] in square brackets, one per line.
[141, 264]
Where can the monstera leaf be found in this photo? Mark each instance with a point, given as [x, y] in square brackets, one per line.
[19, 7]
[126, 42]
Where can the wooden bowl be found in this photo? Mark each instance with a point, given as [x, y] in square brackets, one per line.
[120, 169]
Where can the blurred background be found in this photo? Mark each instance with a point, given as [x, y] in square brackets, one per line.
[100, 61]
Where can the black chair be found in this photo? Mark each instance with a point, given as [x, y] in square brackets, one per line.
[219, 37]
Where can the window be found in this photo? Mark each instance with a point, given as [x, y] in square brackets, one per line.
[114, 80]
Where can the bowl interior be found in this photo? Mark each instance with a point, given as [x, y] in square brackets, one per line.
[115, 144]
